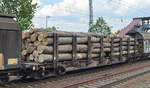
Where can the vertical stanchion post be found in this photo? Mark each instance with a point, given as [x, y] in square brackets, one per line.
[120, 50]
[74, 49]
[55, 50]
[89, 50]
[112, 49]
[135, 48]
[142, 41]
[128, 48]
[101, 49]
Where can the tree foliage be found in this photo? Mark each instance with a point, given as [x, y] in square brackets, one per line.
[100, 27]
[118, 32]
[53, 28]
[23, 9]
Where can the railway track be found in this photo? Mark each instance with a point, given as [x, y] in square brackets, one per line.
[88, 78]
[108, 80]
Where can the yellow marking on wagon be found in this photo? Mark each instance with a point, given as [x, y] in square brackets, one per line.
[12, 61]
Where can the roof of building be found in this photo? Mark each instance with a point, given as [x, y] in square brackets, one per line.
[143, 18]
[7, 15]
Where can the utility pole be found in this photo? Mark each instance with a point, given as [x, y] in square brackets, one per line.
[47, 21]
[90, 15]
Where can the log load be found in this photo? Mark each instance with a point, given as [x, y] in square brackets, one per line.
[38, 45]
[62, 57]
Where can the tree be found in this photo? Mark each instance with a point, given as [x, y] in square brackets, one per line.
[118, 32]
[100, 27]
[53, 28]
[23, 9]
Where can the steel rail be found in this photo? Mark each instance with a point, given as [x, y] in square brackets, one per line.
[106, 76]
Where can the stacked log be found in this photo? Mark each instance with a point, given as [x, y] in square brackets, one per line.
[119, 46]
[38, 46]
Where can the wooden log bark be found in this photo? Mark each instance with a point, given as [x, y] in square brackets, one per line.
[31, 57]
[37, 43]
[63, 57]
[25, 35]
[126, 39]
[97, 50]
[34, 37]
[35, 54]
[106, 44]
[44, 34]
[80, 40]
[107, 49]
[116, 40]
[64, 49]
[31, 49]
[24, 53]
[96, 45]
[126, 43]
[45, 49]
[67, 40]
[124, 52]
[47, 41]
[61, 49]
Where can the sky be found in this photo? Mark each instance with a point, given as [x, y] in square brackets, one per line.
[73, 15]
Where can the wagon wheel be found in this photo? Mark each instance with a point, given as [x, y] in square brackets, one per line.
[5, 78]
[130, 61]
[39, 75]
[60, 70]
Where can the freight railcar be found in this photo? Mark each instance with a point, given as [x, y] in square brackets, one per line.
[10, 46]
[143, 39]
[10, 52]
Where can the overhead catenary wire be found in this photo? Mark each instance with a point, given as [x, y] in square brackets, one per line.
[123, 3]
[83, 13]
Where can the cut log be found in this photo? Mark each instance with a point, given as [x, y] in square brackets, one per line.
[67, 40]
[63, 57]
[116, 40]
[47, 41]
[124, 52]
[98, 50]
[24, 52]
[34, 37]
[45, 49]
[31, 57]
[126, 43]
[25, 35]
[80, 40]
[35, 54]
[61, 49]
[106, 44]
[31, 49]
[37, 43]
[107, 49]
[126, 39]
[40, 37]
[96, 45]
